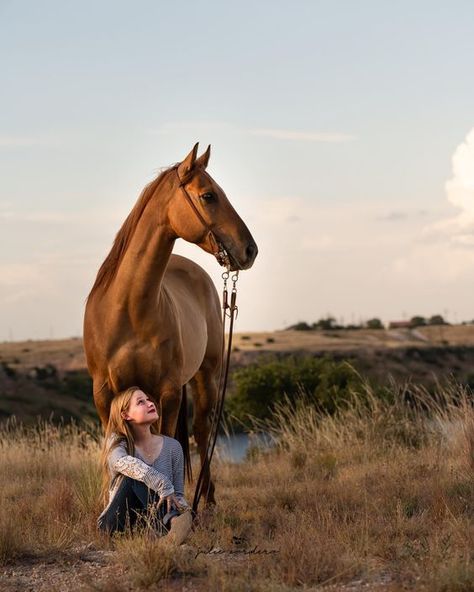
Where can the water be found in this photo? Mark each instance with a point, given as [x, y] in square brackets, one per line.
[233, 448]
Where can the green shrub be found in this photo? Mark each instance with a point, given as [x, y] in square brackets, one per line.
[258, 386]
[77, 383]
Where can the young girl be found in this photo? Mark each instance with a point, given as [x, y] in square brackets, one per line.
[143, 471]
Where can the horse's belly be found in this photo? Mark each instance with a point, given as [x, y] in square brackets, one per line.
[194, 340]
[194, 299]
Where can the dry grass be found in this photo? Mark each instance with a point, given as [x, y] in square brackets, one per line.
[381, 493]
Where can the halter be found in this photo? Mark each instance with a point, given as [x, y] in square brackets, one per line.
[217, 247]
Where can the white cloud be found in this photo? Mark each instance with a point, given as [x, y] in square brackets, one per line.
[95, 216]
[460, 193]
[278, 134]
[25, 141]
[18, 274]
[460, 188]
[443, 251]
[282, 134]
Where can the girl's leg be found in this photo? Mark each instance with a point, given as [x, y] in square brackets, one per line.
[124, 508]
[157, 518]
[133, 503]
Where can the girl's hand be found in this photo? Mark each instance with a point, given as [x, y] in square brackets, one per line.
[171, 500]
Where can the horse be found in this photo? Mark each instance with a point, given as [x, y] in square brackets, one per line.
[153, 318]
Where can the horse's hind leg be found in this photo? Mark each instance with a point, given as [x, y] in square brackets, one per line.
[204, 385]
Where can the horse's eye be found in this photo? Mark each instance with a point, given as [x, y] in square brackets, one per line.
[207, 197]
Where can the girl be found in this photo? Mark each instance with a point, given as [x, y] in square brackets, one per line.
[143, 471]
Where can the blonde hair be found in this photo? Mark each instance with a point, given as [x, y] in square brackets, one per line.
[119, 427]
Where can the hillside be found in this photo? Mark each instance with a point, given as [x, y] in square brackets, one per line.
[44, 377]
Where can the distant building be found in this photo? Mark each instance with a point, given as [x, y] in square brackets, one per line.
[399, 324]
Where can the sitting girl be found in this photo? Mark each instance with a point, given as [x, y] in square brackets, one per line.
[143, 471]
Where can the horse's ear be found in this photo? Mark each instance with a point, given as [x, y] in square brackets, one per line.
[188, 163]
[203, 160]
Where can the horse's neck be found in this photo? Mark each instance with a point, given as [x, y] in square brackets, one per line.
[138, 281]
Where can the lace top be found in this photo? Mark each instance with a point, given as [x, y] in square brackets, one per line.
[165, 474]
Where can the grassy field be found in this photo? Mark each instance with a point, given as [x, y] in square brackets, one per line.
[378, 497]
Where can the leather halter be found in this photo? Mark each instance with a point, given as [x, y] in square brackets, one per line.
[217, 247]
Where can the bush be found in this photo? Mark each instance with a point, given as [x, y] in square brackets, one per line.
[9, 371]
[79, 384]
[259, 386]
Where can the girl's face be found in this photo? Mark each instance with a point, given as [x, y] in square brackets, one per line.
[142, 410]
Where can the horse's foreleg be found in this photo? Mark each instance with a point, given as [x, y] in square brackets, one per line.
[170, 401]
[204, 388]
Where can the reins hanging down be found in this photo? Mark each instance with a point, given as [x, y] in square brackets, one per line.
[219, 404]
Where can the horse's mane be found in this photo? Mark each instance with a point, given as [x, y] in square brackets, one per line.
[109, 267]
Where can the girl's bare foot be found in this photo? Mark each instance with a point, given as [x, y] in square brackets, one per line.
[180, 528]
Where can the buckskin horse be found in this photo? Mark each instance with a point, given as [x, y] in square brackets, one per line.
[153, 318]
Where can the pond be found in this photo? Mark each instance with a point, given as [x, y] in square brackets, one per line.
[233, 447]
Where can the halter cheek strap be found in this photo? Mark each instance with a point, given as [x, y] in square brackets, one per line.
[218, 249]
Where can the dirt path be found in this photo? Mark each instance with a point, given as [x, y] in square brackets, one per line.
[87, 569]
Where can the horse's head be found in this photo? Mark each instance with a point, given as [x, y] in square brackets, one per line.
[214, 212]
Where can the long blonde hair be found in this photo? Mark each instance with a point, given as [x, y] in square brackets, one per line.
[119, 427]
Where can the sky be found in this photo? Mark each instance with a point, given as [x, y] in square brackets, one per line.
[342, 133]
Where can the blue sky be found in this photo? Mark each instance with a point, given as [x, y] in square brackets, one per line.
[333, 127]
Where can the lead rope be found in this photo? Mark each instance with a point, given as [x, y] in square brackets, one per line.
[219, 404]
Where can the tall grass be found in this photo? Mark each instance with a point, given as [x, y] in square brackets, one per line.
[50, 486]
[381, 491]
[381, 485]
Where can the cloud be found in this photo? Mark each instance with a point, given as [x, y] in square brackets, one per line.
[281, 134]
[25, 141]
[443, 252]
[95, 216]
[17, 274]
[460, 188]
[396, 215]
[460, 193]
[277, 134]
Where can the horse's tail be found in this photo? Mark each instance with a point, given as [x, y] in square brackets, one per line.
[182, 435]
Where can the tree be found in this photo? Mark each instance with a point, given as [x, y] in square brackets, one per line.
[374, 324]
[300, 326]
[417, 321]
[437, 320]
[326, 324]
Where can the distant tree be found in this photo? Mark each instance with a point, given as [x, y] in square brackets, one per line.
[326, 324]
[417, 321]
[300, 326]
[374, 324]
[437, 320]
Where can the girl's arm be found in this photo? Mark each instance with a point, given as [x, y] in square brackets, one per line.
[122, 462]
[177, 459]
